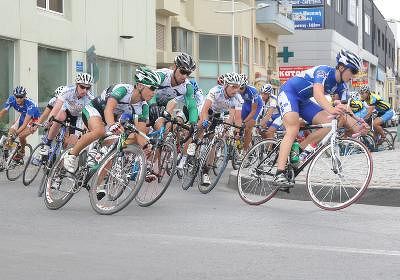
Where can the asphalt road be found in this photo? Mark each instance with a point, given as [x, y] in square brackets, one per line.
[187, 235]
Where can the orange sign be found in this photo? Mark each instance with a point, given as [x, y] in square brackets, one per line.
[287, 72]
[362, 77]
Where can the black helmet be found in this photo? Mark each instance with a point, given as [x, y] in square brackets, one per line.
[20, 91]
[185, 62]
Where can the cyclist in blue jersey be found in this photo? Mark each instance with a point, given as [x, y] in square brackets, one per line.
[251, 108]
[29, 112]
[294, 102]
[272, 120]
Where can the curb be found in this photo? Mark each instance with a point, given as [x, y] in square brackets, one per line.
[373, 196]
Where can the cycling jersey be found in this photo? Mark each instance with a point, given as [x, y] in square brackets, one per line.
[123, 94]
[182, 93]
[29, 107]
[220, 103]
[71, 102]
[295, 94]
[381, 106]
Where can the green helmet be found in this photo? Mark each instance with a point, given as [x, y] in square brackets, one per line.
[146, 76]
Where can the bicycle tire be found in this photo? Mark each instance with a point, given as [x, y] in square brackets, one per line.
[168, 160]
[11, 165]
[389, 139]
[236, 155]
[117, 196]
[28, 179]
[190, 172]
[369, 142]
[353, 155]
[57, 172]
[256, 173]
[218, 144]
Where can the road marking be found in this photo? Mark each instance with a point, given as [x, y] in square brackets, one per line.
[224, 241]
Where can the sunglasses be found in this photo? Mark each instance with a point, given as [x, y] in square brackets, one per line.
[152, 88]
[354, 71]
[184, 72]
[19, 97]
[84, 87]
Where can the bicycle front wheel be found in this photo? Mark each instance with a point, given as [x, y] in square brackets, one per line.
[33, 165]
[118, 180]
[15, 163]
[337, 179]
[159, 174]
[256, 173]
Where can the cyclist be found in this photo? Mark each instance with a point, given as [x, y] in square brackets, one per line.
[175, 87]
[272, 120]
[294, 102]
[102, 113]
[68, 106]
[385, 113]
[50, 105]
[251, 108]
[358, 107]
[219, 100]
[29, 112]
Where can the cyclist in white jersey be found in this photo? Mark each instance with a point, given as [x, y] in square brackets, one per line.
[69, 105]
[222, 99]
[272, 120]
[102, 114]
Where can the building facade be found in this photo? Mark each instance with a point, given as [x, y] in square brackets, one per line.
[203, 28]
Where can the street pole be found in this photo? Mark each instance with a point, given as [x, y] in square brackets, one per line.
[233, 36]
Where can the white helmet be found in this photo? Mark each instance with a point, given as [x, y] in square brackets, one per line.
[232, 79]
[84, 78]
[245, 80]
[349, 60]
[59, 90]
[267, 88]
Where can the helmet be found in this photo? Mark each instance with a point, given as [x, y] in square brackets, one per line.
[356, 105]
[244, 80]
[146, 76]
[365, 88]
[232, 79]
[185, 62]
[20, 91]
[220, 79]
[84, 78]
[59, 90]
[267, 88]
[195, 86]
[349, 60]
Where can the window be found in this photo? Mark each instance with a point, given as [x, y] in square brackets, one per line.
[255, 51]
[383, 41]
[379, 38]
[182, 40]
[339, 6]
[215, 58]
[262, 53]
[246, 59]
[6, 74]
[352, 11]
[271, 57]
[160, 36]
[51, 5]
[113, 72]
[52, 72]
[367, 22]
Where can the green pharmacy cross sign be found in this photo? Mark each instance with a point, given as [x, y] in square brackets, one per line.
[286, 54]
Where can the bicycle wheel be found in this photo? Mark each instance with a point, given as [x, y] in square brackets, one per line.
[15, 163]
[159, 175]
[256, 173]
[214, 162]
[369, 142]
[337, 180]
[237, 157]
[389, 139]
[118, 180]
[59, 185]
[190, 172]
[33, 166]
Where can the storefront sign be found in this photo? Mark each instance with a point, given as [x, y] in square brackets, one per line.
[308, 18]
[362, 77]
[287, 72]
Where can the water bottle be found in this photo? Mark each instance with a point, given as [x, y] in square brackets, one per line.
[2, 140]
[294, 152]
[307, 151]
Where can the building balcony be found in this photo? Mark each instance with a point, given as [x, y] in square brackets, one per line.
[273, 20]
[168, 7]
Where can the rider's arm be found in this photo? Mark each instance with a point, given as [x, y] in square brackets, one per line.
[370, 109]
[3, 112]
[318, 92]
[267, 116]
[204, 111]
[57, 107]
[191, 104]
[24, 124]
[253, 111]
[109, 110]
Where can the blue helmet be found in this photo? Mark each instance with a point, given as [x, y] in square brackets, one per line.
[20, 91]
[195, 86]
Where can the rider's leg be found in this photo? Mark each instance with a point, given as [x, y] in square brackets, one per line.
[291, 123]
[96, 130]
[378, 127]
[248, 133]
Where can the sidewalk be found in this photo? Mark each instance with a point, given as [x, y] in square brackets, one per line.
[384, 188]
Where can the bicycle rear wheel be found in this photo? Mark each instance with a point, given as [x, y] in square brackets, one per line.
[15, 163]
[33, 166]
[214, 162]
[59, 185]
[159, 175]
[337, 180]
[118, 180]
[256, 173]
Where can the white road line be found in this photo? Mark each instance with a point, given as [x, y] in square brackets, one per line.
[224, 241]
